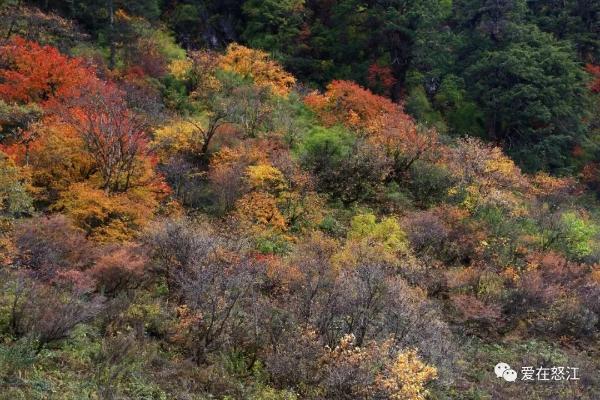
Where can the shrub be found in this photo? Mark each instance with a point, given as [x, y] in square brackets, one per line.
[426, 232]
[567, 317]
[48, 245]
[347, 170]
[46, 314]
[120, 269]
[325, 148]
[429, 183]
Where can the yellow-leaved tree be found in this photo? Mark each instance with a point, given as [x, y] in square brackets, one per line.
[179, 136]
[258, 66]
[259, 208]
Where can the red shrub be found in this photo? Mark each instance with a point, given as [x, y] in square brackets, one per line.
[119, 270]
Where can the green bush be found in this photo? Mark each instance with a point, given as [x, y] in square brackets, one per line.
[325, 147]
[429, 183]
[579, 235]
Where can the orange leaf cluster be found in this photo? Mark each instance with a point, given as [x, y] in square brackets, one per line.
[351, 105]
[258, 66]
[39, 74]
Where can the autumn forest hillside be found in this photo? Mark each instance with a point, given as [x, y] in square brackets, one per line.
[299, 199]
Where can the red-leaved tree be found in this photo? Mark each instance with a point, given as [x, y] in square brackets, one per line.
[30, 73]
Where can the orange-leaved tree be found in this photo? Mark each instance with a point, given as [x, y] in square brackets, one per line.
[348, 104]
[89, 153]
[39, 74]
[37, 79]
[384, 123]
[258, 66]
[403, 141]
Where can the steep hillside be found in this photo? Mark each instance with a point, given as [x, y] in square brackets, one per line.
[186, 217]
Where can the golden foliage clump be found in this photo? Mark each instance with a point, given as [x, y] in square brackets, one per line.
[265, 177]
[227, 173]
[403, 376]
[180, 69]
[258, 66]
[58, 159]
[243, 155]
[259, 210]
[177, 137]
[406, 376]
[104, 217]
[266, 198]
[202, 73]
[261, 206]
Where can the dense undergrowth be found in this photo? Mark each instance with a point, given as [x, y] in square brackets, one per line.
[199, 224]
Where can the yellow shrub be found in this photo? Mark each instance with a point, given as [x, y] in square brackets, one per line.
[405, 378]
[266, 177]
[107, 217]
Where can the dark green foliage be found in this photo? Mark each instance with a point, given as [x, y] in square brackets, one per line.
[93, 14]
[429, 183]
[532, 93]
[503, 79]
[204, 23]
[323, 148]
[420, 108]
[462, 114]
[574, 20]
[274, 25]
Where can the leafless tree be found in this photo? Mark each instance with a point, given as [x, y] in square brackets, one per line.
[178, 245]
[114, 136]
[221, 295]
